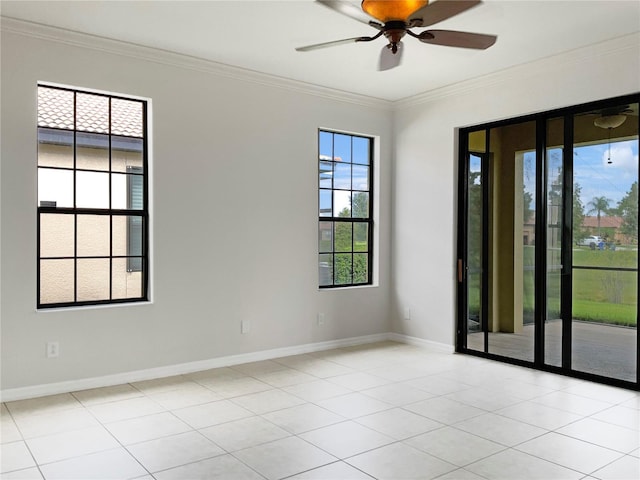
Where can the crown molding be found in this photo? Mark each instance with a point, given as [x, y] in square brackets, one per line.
[621, 45]
[165, 57]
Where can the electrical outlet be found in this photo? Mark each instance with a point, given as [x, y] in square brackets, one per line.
[245, 326]
[53, 349]
[320, 319]
[407, 313]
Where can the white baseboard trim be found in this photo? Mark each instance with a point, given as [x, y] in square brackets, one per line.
[34, 391]
[22, 393]
[420, 342]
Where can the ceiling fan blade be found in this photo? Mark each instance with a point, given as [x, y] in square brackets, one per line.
[622, 109]
[388, 59]
[348, 9]
[452, 38]
[617, 110]
[438, 11]
[339, 42]
[334, 43]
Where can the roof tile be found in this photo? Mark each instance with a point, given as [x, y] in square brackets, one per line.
[56, 110]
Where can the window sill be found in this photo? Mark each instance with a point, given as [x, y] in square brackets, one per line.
[350, 287]
[93, 307]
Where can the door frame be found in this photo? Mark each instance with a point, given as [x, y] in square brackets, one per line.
[541, 286]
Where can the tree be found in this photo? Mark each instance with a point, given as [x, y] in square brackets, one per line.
[628, 210]
[527, 211]
[342, 243]
[555, 201]
[343, 233]
[351, 238]
[360, 204]
[599, 205]
[578, 213]
[474, 227]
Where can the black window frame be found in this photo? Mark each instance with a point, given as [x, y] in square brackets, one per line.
[334, 219]
[135, 261]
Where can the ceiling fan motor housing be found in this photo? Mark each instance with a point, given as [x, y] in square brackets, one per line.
[398, 17]
[394, 31]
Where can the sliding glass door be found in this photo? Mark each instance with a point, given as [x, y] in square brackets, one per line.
[475, 175]
[605, 245]
[556, 254]
[548, 245]
[476, 250]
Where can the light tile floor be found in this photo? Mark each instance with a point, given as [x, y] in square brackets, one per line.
[385, 411]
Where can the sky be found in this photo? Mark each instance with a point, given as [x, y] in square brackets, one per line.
[597, 177]
[350, 168]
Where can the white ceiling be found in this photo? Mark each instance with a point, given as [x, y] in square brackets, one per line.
[261, 35]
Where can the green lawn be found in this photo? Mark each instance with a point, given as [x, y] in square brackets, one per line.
[601, 295]
[583, 256]
[601, 312]
[598, 295]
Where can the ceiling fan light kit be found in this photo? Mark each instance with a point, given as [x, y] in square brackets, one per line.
[609, 121]
[398, 17]
[386, 10]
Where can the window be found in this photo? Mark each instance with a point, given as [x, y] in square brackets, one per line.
[345, 220]
[92, 198]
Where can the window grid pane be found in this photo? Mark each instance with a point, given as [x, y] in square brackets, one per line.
[345, 212]
[92, 198]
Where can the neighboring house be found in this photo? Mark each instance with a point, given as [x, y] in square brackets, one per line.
[609, 229]
[529, 231]
[108, 260]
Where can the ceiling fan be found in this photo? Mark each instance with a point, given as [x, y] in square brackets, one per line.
[396, 18]
[612, 117]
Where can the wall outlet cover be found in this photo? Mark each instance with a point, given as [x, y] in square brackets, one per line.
[245, 326]
[53, 349]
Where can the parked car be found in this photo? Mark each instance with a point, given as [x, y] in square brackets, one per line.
[590, 241]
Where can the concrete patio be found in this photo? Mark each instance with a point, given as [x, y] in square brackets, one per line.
[601, 349]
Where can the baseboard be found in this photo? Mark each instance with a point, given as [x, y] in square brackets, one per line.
[420, 342]
[34, 391]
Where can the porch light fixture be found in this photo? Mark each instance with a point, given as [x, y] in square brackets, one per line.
[387, 10]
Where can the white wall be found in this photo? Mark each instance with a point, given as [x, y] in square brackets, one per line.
[425, 166]
[234, 215]
[234, 185]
